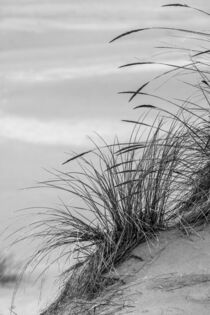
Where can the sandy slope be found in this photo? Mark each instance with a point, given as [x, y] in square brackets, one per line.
[167, 276]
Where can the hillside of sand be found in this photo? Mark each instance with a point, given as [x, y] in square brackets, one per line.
[169, 275]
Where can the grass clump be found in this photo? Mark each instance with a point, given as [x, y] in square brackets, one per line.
[192, 209]
[124, 197]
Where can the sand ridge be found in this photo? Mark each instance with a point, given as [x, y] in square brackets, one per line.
[169, 275]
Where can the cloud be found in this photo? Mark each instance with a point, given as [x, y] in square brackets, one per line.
[55, 74]
[38, 16]
[58, 132]
[38, 25]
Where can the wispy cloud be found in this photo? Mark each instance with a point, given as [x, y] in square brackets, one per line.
[54, 74]
[38, 25]
[58, 132]
[39, 16]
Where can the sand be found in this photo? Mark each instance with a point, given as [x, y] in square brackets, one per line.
[167, 276]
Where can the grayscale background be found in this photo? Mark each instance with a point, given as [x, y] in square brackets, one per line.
[59, 84]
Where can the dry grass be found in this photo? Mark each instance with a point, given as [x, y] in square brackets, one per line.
[192, 209]
[127, 196]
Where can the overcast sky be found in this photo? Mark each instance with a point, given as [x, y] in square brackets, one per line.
[59, 79]
[56, 64]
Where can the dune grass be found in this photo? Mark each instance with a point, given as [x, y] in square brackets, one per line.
[193, 207]
[124, 201]
[135, 189]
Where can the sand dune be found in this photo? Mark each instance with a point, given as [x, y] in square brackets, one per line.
[171, 276]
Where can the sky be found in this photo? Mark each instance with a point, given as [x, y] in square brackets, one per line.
[60, 78]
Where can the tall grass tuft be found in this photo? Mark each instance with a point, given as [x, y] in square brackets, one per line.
[124, 194]
[193, 207]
